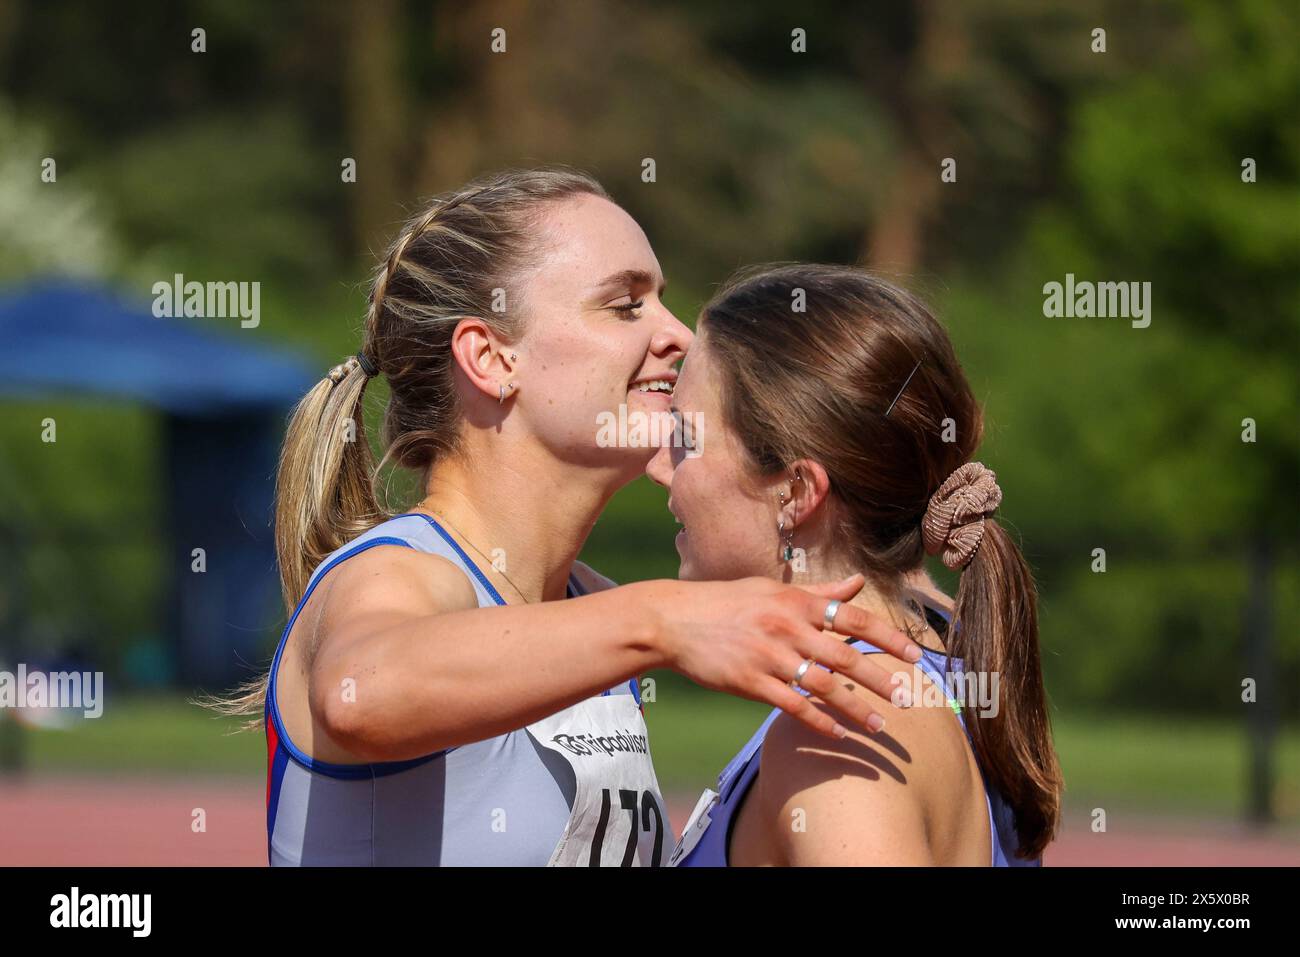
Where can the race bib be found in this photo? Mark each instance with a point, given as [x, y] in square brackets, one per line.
[618, 817]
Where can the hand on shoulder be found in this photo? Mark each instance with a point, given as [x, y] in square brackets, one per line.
[862, 799]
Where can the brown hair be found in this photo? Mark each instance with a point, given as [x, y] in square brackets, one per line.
[455, 258]
[864, 381]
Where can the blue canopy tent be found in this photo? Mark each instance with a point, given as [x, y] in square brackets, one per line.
[223, 400]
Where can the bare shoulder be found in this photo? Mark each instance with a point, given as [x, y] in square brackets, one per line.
[378, 588]
[590, 579]
[866, 798]
[394, 579]
[929, 730]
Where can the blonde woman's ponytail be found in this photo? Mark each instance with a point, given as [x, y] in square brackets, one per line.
[324, 490]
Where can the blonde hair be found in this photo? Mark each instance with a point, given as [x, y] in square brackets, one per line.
[456, 258]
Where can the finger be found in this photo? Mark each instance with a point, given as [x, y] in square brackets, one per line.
[853, 708]
[844, 589]
[892, 686]
[858, 667]
[856, 623]
[802, 709]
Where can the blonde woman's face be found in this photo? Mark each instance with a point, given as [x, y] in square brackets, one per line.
[596, 336]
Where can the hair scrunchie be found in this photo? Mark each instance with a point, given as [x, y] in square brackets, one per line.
[953, 525]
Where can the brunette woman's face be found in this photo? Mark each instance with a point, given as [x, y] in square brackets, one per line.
[597, 338]
[728, 513]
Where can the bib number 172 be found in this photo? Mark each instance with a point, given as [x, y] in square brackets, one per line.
[640, 808]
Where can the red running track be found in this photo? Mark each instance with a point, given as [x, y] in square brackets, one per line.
[139, 821]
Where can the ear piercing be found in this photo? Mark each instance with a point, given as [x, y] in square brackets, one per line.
[501, 396]
[787, 552]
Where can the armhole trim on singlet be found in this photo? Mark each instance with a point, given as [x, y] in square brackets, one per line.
[351, 772]
[460, 553]
[382, 768]
[575, 586]
[739, 804]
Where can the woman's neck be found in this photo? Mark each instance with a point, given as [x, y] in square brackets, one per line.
[890, 604]
[524, 515]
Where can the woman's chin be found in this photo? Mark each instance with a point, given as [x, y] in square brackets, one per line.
[695, 565]
[621, 464]
[685, 569]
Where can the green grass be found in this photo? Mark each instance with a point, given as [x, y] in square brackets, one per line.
[1173, 765]
[146, 733]
[1185, 764]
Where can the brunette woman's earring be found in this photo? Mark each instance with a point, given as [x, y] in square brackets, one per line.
[787, 550]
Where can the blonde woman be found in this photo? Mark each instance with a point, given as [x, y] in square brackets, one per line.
[434, 698]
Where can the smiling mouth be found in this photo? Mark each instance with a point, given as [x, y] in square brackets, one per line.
[659, 386]
[677, 519]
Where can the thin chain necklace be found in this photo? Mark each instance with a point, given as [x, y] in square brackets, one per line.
[913, 631]
[519, 591]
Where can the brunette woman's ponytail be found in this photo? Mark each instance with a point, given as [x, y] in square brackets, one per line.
[995, 632]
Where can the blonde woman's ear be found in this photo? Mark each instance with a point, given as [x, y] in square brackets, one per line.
[475, 351]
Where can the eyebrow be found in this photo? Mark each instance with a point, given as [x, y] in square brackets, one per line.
[630, 278]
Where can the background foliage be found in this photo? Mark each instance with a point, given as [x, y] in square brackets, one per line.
[1122, 166]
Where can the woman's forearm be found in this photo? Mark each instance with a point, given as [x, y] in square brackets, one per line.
[409, 685]
[441, 681]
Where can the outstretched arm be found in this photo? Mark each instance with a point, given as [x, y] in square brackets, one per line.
[431, 671]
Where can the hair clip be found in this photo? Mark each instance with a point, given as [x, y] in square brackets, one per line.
[903, 389]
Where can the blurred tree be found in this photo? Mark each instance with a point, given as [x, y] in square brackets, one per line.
[1123, 165]
[1162, 187]
[46, 226]
[376, 120]
[1200, 527]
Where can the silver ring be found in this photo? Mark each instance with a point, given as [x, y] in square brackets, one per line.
[803, 670]
[828, 619]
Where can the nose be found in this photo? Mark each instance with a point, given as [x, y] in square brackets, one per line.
[672, 339]
[660, 467]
